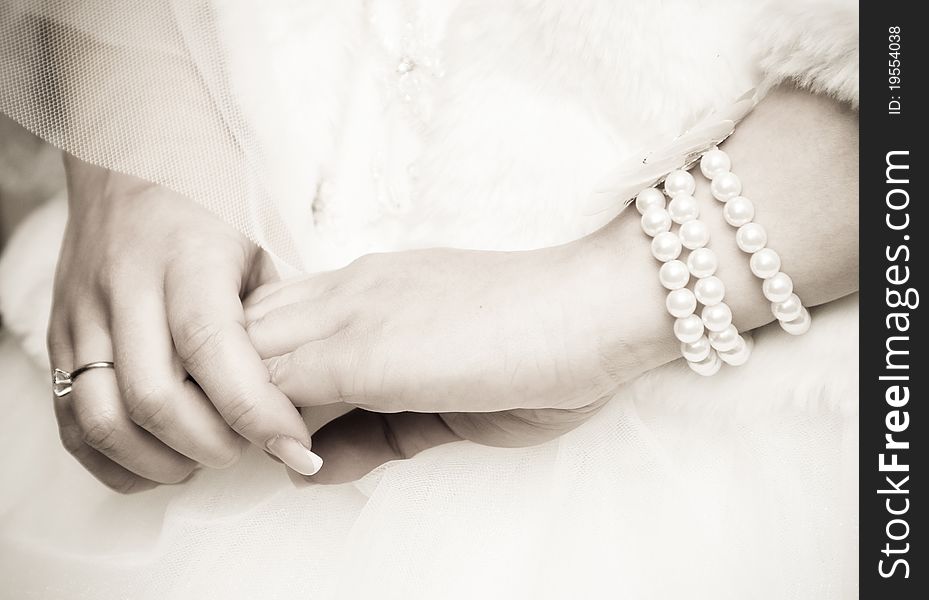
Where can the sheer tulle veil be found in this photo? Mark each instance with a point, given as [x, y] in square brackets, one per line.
[142, 88]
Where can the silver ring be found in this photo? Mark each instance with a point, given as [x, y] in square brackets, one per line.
[63, 380]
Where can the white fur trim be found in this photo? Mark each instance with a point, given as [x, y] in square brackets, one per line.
[811, 44]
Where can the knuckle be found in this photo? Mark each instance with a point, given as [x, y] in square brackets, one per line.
[364, 261]
[117, 267]
[146, 406]
[241, 413]
[176, 476]
[227, 456]
[362, 272]
[196, 339]
[125, 484]
[332, 379]
[72, 440]
[100, 432]
[357, 372]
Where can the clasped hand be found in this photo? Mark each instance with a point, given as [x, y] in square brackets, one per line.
[430, 346]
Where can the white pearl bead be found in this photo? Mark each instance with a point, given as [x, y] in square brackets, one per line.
[800, 325]
[694, 234]
[679, 182]
[696, 351]
[739, 211]
[709, 290]
[702, 262]
[725, 339]
[681, 302]
[666, 246]
[688, 329]
[683, 208]
[765, 263]
[778, 287]
[707, 367]
[655, 220]
[717, 317]
[739, 355]
[714, 162]
[649, 198]
[673, 274]
[789, 309]
[726, 186]
[751, 237]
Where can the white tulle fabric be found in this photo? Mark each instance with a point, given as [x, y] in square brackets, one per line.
[667, 493]
[142, 88]
[325, 130]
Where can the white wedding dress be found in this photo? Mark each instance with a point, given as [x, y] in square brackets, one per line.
[386, 125]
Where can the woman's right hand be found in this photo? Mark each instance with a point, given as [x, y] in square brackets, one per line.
[151, 281]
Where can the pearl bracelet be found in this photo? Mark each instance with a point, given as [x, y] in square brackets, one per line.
[710, 339]
[751, 237]
[704, 352]
[723, 342]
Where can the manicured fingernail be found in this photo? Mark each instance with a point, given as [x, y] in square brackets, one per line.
[295, 455]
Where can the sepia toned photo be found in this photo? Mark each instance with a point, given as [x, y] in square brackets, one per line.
[526, 299]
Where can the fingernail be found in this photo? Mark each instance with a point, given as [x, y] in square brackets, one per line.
[295, 455]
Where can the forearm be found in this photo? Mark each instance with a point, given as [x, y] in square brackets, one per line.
[797, 157]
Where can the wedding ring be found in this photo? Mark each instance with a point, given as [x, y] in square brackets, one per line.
[63, 380]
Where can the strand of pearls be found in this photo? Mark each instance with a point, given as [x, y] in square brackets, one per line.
[722, 342]
[709, 339]
[751, 237]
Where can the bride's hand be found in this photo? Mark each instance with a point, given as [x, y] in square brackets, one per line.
[466, 334]
[436, 331]
[151, 281]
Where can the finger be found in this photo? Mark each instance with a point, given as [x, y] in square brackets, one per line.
[155, 389]
[263, 292]
[103, 420]
[360, 441]
[207, 324]
[312, 374]
[105, 470]
[58, 343]
[285, 329]
[281, 293]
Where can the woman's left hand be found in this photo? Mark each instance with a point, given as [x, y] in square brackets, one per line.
[467, 334]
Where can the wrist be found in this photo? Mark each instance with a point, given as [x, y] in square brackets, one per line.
[616, 273]
[90, 184]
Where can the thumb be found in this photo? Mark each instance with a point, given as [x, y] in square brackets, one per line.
[207, 324]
